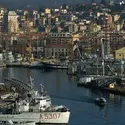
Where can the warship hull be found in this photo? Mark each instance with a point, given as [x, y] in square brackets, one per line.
[40, 117]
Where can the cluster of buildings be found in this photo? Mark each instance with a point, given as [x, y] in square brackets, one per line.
[53, 32]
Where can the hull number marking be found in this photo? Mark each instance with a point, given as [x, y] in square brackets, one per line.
[50, 116]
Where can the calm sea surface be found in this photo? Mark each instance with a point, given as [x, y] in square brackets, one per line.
[80, 101]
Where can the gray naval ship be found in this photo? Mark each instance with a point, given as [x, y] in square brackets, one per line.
[36, 107]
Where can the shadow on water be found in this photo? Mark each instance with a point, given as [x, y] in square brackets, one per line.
[50, 124]
[83, 99]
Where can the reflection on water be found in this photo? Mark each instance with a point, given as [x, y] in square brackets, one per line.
[57, 80]
[50, 124]
[80, 101]
[111, 97]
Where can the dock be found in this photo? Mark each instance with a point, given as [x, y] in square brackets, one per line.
[118, 90]
[14, 65]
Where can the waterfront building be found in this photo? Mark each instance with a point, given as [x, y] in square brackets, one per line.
[76, 47]
[75, 37]
[35, 12]
[1, 23]
[90, 44]
[64, 20]
[71, 27]
[47, 11]
[13, 25]
[42, 21]
[59, 44]
[93, 27]
[82, 26]
[67, 17]
[18, 43]
[47, 29]
[117, 41]
[118, 26]
[3, 20]
[26, 12]
[120, 53]
[116, 17]
[39, 44]
[107, 19]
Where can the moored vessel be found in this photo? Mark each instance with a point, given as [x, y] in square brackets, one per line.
[35, 107]
[48, 66]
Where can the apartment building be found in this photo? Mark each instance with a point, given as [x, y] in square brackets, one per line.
[59, 44]
[13, 25]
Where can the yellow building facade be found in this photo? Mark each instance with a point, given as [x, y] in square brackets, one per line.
[75, 37]
[117, 27]
[47, 11]
[120, 53]
[116, 17]
[13, 24]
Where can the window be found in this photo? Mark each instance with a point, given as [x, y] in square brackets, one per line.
[52, 54]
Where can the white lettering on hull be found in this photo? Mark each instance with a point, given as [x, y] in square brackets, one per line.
[48, 117]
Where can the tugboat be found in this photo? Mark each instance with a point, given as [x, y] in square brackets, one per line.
[100, 101]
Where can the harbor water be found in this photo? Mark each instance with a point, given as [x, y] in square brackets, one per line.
[64, 91]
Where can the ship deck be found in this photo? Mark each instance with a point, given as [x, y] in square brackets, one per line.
[4, 104]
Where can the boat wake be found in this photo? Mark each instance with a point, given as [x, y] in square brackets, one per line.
[82, 99]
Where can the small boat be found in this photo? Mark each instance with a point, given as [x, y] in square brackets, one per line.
[100, 101]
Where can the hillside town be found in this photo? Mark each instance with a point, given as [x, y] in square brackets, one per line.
[62, 32]
[76, 51]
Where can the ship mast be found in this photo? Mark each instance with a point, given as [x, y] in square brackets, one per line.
[30, 79]
[103, 65]
[29, 43]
